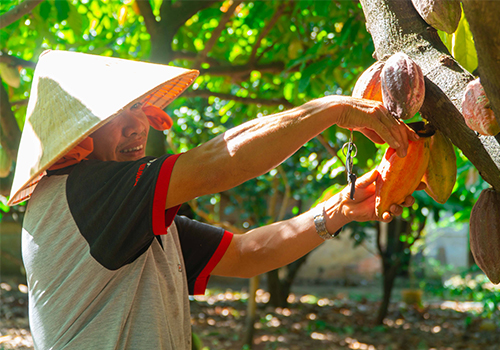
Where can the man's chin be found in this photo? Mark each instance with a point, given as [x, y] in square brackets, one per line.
[130, 156]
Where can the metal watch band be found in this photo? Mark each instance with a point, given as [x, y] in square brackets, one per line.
[320, 224]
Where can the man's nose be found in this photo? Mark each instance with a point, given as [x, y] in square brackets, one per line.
[133, 124]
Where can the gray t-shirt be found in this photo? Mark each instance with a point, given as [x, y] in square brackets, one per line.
[107, 266]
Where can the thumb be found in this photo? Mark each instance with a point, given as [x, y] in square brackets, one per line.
[367, 179]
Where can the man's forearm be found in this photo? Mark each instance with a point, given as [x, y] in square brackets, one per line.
[259, 145]
[269, 247]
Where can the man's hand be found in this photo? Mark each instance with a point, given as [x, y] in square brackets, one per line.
[362, 208]
[374, 121]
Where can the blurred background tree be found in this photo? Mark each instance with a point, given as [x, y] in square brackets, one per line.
[256, 58]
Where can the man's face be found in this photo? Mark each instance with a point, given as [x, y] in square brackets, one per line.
[123, 138]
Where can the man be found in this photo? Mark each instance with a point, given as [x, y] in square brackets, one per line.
[109, 264]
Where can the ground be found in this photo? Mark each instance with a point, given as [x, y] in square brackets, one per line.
[318, 317]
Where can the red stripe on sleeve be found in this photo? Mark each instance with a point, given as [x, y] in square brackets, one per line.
[161, 219]
[201, 281]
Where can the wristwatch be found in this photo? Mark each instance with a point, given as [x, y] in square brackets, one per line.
[320, 224]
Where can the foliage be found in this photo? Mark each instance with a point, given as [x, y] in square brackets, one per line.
[319, 48]
[461, 45]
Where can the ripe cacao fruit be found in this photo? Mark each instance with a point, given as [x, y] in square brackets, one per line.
[443, 15]
[368, 84]
[10, 75]
[403, 87]
[5, 163]
[484, 233]
[476, 110]
[400, 177]
[441, 172]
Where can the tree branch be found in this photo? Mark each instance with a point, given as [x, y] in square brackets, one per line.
[173, 16]
[192, 56]
[396, 26]
[149, 18]
[215, 35]
[10, 134]
[16, 61]
[226, 225]
[242, 70]
[279, 12]
[333, 152]
[17, 12]
[286, 196]
[483, 20]
[379, 239]
[223, 96]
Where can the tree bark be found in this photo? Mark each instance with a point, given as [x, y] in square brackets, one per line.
[10, 134]
[484, 25]
[278, 297]
[17, 12]
[251, 312]
[396, 26]
[390, 272]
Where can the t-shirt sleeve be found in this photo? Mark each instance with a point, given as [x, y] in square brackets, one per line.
[202, 248]
[119, 207]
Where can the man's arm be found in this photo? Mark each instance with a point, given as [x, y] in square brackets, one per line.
[269, 247]
[261, 144]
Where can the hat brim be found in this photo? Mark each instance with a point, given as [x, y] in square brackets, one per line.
[61, 114]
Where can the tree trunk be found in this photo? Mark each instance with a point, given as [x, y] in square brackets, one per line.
[279, 288]
[277, 298]
[389, 276]
[483, 20]
[396, 26]
[251, 312]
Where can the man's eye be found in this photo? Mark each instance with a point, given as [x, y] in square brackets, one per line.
[136, 105]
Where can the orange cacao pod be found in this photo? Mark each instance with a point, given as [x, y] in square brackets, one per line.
[368, 84]
[441, 173]
[443, 15]
[403, 88]
[484, 233]
[400, 177]
[476, 110]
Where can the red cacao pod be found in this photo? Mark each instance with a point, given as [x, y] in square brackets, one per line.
[403, 87]
[400, 177]
[476, 110]
[368, 84]
[441, 173]
[484, 233]
[443, 15]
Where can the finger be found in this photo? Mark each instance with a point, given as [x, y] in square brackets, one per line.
[386, 217]
[411, 134]
[396, 210]
[409, 201]
[421, 186]
[372, 135]
[401, 128]
[367, 179]
[387, 128]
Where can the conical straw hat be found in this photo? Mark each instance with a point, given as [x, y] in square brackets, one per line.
[73, 94]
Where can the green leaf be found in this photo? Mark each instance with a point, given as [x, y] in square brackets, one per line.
[62, 7]
[309, 72]
[45, 9]
[461, 45]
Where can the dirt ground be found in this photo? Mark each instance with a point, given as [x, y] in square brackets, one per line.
[318, 317]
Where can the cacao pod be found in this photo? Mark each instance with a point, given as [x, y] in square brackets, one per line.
[476, 110]
[5, 163]
[484, 233]
[400, 177]
[368, 84]
[441, 172]
[443, 15]
[403, 87]
[10, 75]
